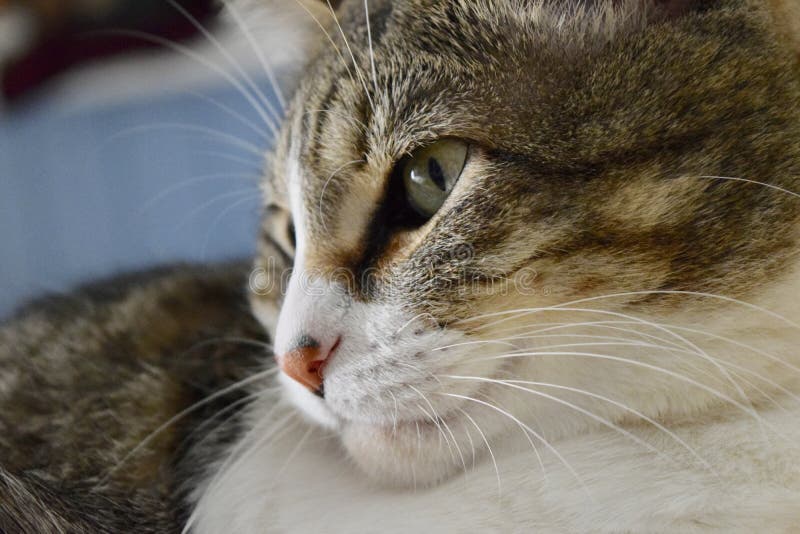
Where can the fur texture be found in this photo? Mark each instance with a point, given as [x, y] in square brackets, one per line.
[89, 379]
[637, 160]
[596, 332]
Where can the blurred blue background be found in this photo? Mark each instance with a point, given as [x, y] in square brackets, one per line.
[149, 178]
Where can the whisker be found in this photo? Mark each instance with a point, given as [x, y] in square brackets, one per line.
[232, 407]
[471, 443]
[606, 325]
[186, 219]
[700, 352]
[649, 420]
[394, 419]
[754, 182]
[352, 56]
[191, 409]
[488, 448]
[186, 51]
[189, 182]
[435, 418]
[278, 428]
[268, 69]
[294, 452]
[223, 137]
[677, 376]
[435, 423]
[228, 57]
[255, 164]
[218, 219]
[330, 39]
[532, 432]
[371, 51]
[261, 132]
[738, 344]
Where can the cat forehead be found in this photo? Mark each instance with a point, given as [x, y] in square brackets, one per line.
[499, 72]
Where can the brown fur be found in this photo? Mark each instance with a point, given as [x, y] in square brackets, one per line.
[590, 140]
[85, 379]
[598, 139]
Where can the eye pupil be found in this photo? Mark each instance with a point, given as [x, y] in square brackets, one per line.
[290, 231]
[437, 174]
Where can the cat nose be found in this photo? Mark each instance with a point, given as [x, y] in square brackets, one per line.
[305, 362]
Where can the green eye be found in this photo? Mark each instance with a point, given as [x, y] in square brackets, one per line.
[431, 174]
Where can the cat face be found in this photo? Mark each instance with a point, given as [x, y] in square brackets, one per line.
[477, 193]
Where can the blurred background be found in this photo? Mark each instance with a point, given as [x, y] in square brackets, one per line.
[132, 133]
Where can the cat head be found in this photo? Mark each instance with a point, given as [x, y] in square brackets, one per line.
[477, 196]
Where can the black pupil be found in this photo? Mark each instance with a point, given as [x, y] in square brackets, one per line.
[290, 234]
[437, 174]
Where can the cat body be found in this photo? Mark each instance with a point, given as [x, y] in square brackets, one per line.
[88, 377]
[544, 267]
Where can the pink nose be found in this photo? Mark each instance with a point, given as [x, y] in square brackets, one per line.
[305, 364]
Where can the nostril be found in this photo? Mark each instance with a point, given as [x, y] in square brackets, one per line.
[316, 366]
[306, 362]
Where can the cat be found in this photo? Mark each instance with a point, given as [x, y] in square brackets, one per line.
[543, 264]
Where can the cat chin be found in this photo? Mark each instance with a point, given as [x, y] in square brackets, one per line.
[400, 457]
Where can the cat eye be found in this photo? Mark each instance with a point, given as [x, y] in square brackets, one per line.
[431, 173]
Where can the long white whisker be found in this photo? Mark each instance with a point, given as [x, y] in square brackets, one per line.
[488, 448]
[359, 73]
[268, 120]
[620, 405]
[249, 193]
[192, 128]
[186, 183]
[700, 352]
[262, 133]
[330, 40]
[270, 72]
[292, 454]
[541, 328]
[255, 164]
[436, 419]
[532, 432]
[603, 421]
[718, 394]
[436, 424]
[228, 57]
[754, 182]
[218, 219]
[278, 428]
[182, 414]
[371, 51]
